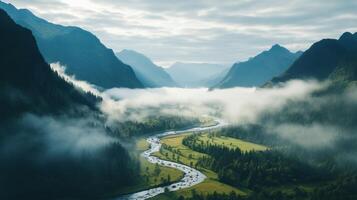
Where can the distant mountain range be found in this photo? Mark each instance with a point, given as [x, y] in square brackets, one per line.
[79, 50]
[148, 73]
[334, 59]
[196, 74]
[259, 69]
[27, 83]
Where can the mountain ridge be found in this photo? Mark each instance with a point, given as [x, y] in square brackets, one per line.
[27, 81]
[80, 51]
[322, 59]
[148, 73]
[259, 69]
[195, 74]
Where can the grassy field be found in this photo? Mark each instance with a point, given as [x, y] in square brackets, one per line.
[231, 143]
[180, 153]
[152, 175]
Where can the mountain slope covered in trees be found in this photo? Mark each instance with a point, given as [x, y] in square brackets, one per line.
[328, 58]
[52, 144]
[80, 51]
[27, 82]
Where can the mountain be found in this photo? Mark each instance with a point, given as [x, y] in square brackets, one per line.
[148, 73]
[328, 58]
[259, 69]
[215, 79]
[27, 82]
[195, 74]
[43, 123]
[80, 51]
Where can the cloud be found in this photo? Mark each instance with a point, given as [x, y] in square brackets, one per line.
[68, 136]
[293, 111]
[314, 136]
[83, 85]
[54, 137]
[237, 105]
[169, 31]
[273, 108]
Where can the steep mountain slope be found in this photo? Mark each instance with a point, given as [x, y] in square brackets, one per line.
[82, 52]
[259, 69]
[195, 74]
[47, 148]
[27, 82]
[148, 73]
[326, 58]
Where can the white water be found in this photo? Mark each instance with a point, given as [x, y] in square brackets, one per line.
[192, 176]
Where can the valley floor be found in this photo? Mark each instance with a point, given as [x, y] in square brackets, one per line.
[174, 150]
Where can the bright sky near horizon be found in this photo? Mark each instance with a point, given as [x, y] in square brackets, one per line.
[212, 31]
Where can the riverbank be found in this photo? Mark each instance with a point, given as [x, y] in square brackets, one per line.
[192, 176]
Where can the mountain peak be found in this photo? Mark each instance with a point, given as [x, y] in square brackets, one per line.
[260, 68]
[147, 71]
[346, 36]
[133, 54]
[81, 51]
[9, 5]
[349, 40]
[277, 47]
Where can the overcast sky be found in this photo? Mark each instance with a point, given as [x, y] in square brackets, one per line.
[214, 31]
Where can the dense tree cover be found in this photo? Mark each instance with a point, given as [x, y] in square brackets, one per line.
[214, 196]
[91, 176]
[322, 59]
[27, 83]
[267, 172]
[335, 191]
[252, 169]
[150, 125]
[70, 166]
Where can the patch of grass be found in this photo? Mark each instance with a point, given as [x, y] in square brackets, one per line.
[151, 175]
[210, 186]
[174, 150]
[231, 143]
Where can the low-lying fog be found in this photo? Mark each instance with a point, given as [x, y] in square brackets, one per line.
[237, 106]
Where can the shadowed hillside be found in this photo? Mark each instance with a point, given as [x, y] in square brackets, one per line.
[80, 51]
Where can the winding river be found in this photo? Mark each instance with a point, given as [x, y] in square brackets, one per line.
[192, 176]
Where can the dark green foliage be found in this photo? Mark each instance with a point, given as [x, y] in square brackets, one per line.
[262, 172]
[89, 176]
[26, 82]
[150, 125]
[29, 170]
[251, 169]
[80, 51]
[214, 196]
[322, 59]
